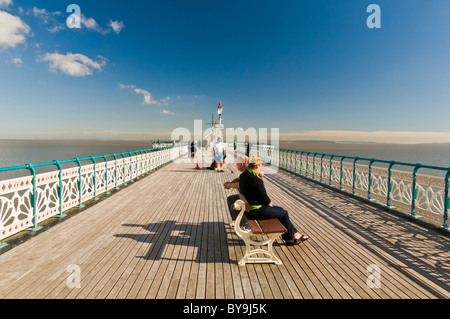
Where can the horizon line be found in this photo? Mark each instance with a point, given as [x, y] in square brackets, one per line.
[162, 139]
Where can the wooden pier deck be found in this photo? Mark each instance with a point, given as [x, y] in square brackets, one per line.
[168, 236]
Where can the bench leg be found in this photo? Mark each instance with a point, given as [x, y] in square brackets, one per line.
[250, 250]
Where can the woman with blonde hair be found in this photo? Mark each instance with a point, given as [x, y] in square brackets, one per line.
[258, 204]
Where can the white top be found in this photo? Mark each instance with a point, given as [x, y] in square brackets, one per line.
[218, 146]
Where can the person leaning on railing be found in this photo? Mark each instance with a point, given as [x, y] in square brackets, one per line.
[258, 204]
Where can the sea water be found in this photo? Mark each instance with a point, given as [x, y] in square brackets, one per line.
[20, 152]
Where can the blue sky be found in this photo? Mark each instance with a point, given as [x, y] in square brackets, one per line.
[139, 69]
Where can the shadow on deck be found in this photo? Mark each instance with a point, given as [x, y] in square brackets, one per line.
[162, 234]
[168, 236]
[398, 242]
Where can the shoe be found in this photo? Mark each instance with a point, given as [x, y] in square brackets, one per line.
[293, 243]
[297, 241]
[303, 238]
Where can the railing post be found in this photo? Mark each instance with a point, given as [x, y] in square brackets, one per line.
[33, 200]
[94, 180]
[301, 162]
[281, 158]
[414, 192]
[60, 215]
[389, 184]
[157, 158]
[152, 158]
[285, 158]
[80, 205]
[140, 163]
[321, 167]
[296, 156]
[331, 170]
[445, 225]
[291, 152]
[131, 170]
[124, 183]
[115, 171]
[292, 160]
[106, 175]
[369, 186]
[354, 176]
[342, 173]
[146, 162]
[314, 166]
[289, 159]
[307, 163]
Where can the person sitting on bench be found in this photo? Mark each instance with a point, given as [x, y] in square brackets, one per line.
[258, 204]
[241, 165]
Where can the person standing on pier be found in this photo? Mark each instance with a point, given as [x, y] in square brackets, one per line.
[218, 150]
[193, 148]
[258, 204]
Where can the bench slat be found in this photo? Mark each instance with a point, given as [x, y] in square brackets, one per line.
[271, 226]
[267, 226]
[255, 227]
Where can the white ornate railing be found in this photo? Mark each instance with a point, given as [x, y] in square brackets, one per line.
[416, 194]
[27, 201]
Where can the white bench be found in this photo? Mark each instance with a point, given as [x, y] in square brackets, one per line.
[268, 230]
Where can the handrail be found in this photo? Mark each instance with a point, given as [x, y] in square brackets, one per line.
[24, 201]
[428, 195]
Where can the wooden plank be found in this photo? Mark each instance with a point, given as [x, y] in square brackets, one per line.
[328, 248]
[180, 255]
[78, 224]
[168, 236]
[343, 247]
[98, 267]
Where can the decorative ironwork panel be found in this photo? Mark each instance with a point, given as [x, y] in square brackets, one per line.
[16, 210]
[389, 187]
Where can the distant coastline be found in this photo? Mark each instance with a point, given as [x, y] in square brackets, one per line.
[363, 146]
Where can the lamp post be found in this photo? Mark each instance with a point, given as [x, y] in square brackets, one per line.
[220, 111]
[216, 127]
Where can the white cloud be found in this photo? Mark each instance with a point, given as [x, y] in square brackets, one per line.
[147, 96]
[122, 86]
[165, 101]
[47, 18]
[57, 27]
[117, 26]
[5, 3]
[73, 64]
[90, 23]
[45, 15]
[12, 30]
[166, 112]
[41, 14]
[17, 61]
[148, 99]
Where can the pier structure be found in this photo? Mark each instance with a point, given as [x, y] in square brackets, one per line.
[213, 134]
[160, 229]
[417, 190]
